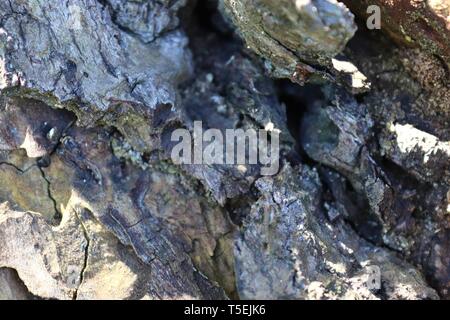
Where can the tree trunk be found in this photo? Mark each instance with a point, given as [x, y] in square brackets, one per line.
[94, 206]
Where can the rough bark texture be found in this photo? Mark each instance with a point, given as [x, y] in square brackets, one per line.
[92, 205]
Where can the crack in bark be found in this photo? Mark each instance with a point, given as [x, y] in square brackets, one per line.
[58, 215]
[15, 167]
[86, 254]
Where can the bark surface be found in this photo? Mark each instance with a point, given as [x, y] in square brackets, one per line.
[92, 206]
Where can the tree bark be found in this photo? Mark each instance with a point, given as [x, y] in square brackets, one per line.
[92, 205]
